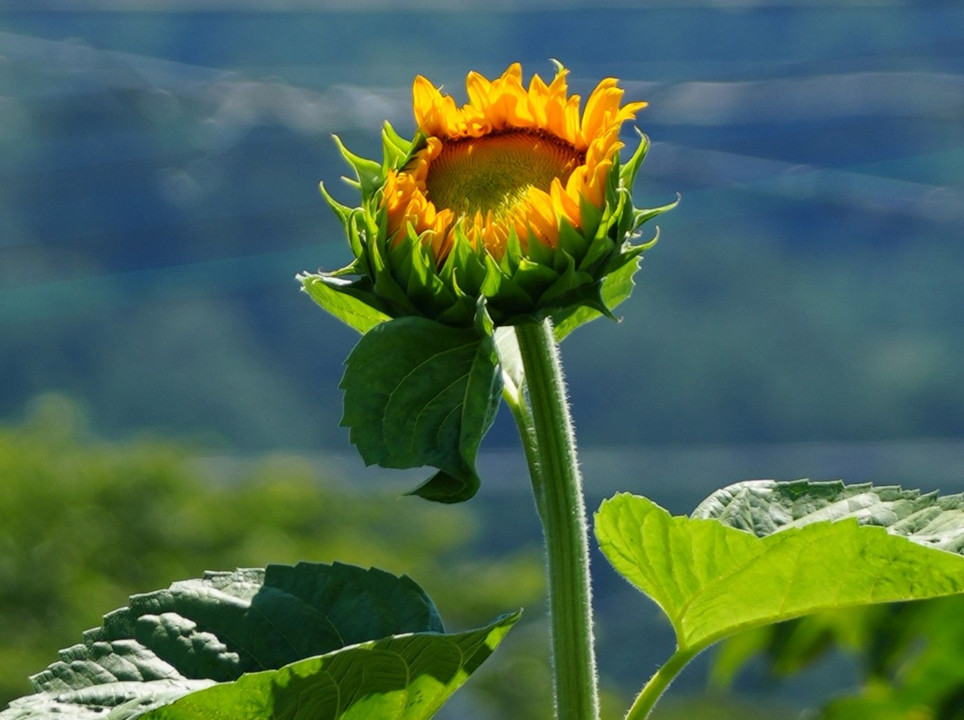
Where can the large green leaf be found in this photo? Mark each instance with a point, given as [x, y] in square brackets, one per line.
[712, 579]
[398, 678]
[910, 655]
[420, 393]
[215, 629]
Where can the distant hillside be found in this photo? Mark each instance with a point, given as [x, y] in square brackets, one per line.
[158, 192]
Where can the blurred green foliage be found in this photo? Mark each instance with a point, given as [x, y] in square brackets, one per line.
[160, 193]
[720, 707]
[85, 523]
[910, 657]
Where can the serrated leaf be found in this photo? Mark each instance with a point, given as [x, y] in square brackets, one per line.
[420, 393]
[397, 678]
[214, 629]
[712, 580]
[109, 701]
[766, 506]
[339, 297]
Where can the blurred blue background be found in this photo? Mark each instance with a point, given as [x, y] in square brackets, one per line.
[800, 316]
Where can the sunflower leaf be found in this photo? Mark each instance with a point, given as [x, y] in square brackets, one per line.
[396, 678]
[347, 300]
[418, 393]
[215, 629]
[767, 506]
[712, 579]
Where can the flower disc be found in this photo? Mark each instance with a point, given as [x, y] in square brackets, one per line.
[493, 173]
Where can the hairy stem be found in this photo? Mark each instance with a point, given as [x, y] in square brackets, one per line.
[546, 429]
[654, 689]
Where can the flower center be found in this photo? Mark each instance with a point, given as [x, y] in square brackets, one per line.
[495, 171]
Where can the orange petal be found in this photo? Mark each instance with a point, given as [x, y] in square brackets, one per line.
[425, 99]
[478, 88]
[565, 204]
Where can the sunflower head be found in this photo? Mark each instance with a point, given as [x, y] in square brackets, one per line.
[515, 205]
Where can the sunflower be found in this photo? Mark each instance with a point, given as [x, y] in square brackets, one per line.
[510, 160]
[516, 201]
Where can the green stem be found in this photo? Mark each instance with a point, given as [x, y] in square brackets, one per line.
[654, 689]
[551, 450]
[527, 431]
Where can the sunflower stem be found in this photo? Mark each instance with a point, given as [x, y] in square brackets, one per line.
[549, 442]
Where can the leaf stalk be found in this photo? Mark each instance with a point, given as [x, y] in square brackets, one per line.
[657, 685]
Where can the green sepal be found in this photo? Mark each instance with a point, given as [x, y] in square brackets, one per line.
[385, 284]
[342, 211]
[538, 252]
[358, 231]
[396, 149]
[484, 325]
[513, 254]
[534, 278]
[458, 313]
[421, 393]
[505, 296]
[642, 215]
[423, 286]
[568, 281]
[571, 242]
[433, 294]
[464, 267]
[617, 286]
[592, 219]
[351, 301]
[627, 173]
[369, 174]
[598, 254]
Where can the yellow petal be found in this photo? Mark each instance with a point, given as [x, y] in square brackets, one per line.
[478, 88]
[425, 98]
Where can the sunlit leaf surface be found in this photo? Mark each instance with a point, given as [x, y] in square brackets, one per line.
[796, 549]
[379, 637]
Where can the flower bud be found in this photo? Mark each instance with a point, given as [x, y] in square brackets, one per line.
[516, 205]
